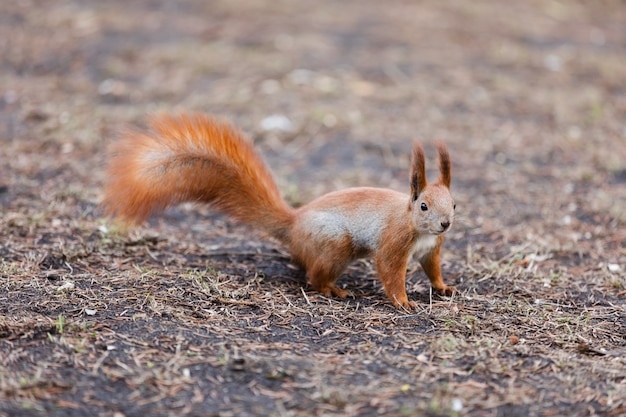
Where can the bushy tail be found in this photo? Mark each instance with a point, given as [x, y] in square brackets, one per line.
[194, 158]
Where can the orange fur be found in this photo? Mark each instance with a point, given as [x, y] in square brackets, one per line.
[194, 158]
[197, 158]
[444, 165]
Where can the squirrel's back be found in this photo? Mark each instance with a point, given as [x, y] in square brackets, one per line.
[194, 158]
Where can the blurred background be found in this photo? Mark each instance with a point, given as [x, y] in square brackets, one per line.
[530, 97]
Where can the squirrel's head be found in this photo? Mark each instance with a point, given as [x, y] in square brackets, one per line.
[432, 205]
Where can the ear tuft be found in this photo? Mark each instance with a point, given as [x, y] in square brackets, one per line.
[445, 174]
[418, 171]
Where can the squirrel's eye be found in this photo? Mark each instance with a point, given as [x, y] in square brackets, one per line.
[454, 206]
[424, 207]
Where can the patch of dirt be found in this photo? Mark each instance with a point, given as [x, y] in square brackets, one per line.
[192, 314]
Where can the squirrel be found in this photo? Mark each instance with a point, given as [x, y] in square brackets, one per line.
[194, 157]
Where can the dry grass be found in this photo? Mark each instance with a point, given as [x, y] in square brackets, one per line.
[193, 315]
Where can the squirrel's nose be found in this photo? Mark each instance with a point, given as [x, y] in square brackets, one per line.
[445, 225]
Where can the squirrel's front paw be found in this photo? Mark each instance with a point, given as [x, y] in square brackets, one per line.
[447, 290]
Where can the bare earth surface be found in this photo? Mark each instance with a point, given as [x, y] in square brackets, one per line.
[191, 314]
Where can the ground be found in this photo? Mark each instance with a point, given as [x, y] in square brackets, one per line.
[192, 314]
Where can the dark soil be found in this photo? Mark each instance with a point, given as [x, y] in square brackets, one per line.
[191, 314]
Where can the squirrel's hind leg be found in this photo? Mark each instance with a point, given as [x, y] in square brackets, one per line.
[325, 263]
[324, 258]
[323, 280]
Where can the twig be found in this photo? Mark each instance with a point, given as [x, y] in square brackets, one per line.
[306, 298]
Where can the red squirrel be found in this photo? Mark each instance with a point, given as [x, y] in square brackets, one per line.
[201, 159]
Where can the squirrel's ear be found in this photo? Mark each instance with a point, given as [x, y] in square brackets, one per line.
[418, 171]
[445, 175]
